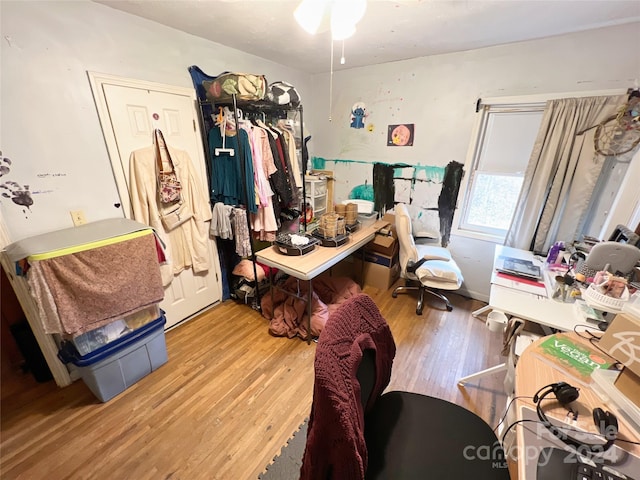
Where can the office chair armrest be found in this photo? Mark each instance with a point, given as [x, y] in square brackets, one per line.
[413, 266]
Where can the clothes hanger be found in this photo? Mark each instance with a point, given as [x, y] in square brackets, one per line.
[222, 116]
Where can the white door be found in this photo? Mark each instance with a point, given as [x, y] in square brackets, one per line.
[129, 111]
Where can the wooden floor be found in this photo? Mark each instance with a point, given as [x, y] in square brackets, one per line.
[229, 397]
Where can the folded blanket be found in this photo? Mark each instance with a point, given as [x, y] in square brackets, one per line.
[88, 289]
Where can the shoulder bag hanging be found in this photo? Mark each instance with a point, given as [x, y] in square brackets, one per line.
[175, 215]
[169, 186]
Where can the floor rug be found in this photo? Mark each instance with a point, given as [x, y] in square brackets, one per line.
[286, 466]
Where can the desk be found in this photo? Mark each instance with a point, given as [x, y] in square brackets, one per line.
[308, 266]
[526, 302]
[518, 299]
[532, 373]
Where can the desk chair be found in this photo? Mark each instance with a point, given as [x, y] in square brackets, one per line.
[425, 268]
[356, 432]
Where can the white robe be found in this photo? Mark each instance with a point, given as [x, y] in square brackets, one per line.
[186, 244]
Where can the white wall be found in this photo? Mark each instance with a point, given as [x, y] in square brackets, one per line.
[49, 125]
[50, 130]
[438, 94]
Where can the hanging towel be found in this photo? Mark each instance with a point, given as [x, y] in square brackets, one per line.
[85, 290]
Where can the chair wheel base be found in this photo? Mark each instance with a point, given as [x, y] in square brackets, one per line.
[421, 291]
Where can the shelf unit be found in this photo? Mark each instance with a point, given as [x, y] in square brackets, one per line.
[316, 194]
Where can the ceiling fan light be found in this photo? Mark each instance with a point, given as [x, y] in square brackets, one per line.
[357, 8]
[341, 30]
[344, 16]
[309, 14]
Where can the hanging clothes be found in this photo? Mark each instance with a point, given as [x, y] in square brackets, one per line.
[186, 244]
[221, 221]
[241, 232]
[283, 150]
[290, 140]
[227, 182]
[263, 222]
[282, 197]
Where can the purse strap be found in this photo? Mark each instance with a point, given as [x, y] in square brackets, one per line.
[157, 135]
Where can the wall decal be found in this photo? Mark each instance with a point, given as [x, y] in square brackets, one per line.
[18, 194]
[400, 135]
[448, 197]
[383, 187]
[5, 165]
[318, 163]
[358, 114]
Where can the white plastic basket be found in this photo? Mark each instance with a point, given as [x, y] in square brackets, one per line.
[597, 300]
[364, 206]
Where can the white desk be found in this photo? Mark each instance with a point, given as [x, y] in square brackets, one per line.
[307, 267]
[528, 302]
[522, 300]
[312, 264]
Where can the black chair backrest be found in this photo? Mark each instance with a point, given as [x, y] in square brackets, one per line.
[622, 234]
[366, 376]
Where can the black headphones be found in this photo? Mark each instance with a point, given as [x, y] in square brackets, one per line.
[606, 422]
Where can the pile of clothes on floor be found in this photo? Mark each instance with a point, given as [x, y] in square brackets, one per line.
[287, 314]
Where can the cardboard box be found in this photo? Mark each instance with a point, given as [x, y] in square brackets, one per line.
[383, 258]
[377, 276]
[622, 339]
[629, 385]
[390, 218]
[386, 240]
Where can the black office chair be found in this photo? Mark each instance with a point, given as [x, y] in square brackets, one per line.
[357, 432]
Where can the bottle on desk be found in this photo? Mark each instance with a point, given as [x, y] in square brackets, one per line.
[554, 252]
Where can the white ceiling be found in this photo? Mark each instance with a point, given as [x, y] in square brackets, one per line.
[390, 30]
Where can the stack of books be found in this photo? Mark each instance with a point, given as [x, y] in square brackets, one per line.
[518, 267]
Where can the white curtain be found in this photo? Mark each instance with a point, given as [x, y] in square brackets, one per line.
[561, 174]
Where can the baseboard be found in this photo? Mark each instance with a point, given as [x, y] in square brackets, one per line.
[482, 297]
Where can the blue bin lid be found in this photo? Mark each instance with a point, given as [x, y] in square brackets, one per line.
[69, 354]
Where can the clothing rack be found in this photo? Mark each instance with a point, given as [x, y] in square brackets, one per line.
[264, 108]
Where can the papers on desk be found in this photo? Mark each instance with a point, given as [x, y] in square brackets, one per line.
[528, 286]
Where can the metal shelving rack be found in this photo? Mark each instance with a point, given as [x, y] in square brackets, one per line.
[206, 109]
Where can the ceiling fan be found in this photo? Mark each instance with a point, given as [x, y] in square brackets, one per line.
[340, 15]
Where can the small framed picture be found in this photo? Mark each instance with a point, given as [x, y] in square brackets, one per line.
[400, 135]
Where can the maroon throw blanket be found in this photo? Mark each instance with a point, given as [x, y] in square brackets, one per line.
[335, 440]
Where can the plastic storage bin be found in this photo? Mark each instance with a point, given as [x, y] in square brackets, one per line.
[99, 337]
[112, 369]
[367, 219]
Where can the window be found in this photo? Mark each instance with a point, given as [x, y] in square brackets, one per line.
[505, 138]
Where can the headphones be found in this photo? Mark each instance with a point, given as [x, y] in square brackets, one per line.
[606, 422]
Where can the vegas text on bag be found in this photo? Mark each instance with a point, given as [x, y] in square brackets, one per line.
[169, 186]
